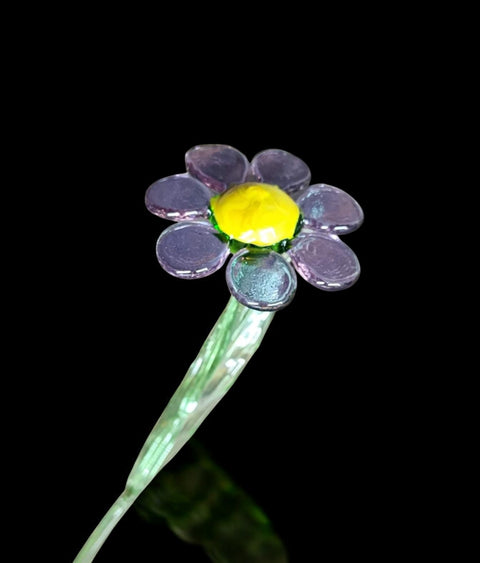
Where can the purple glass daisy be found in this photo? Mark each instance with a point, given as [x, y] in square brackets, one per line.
[266, 214]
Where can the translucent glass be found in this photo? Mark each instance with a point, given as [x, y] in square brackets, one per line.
[225, 353]
[217, 166]
[330, 209]
[263, 280]
[192, 249]
[178, 198]
[325, 261]
[232, 342]
[281, 168]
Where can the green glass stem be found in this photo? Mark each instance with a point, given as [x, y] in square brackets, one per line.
[229, 346]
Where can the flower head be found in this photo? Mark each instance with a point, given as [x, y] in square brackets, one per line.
[266, 214]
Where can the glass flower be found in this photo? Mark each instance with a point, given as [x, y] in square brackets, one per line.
[266, 214]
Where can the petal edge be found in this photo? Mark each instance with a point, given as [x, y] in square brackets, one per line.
[261, 280]
[330, 209]
[191, 250]
[217, 166]
[178, 198]
[325, 261]
[281, 168]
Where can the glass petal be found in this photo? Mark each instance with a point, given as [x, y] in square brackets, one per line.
[281, 168]
[325, 261]
[178, 197]
[191, 249]
[217, 166]
[261, 280]
[330, 209]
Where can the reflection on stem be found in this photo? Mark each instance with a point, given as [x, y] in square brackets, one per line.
[228, 348]
[201, 505]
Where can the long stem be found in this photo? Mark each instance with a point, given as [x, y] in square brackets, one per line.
[229, 346]
[105, 526]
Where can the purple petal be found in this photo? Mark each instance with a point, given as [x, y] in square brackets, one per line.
[330, 209]
[178, 197]
[261, 280]
[325, 261]
[191, 249]
[217, 166]
[281, 168]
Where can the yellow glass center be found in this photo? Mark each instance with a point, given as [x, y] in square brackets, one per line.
[254, 213]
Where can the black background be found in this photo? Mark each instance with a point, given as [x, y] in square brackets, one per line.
[324, 427]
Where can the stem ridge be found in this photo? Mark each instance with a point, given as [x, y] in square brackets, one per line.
[231, 343]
